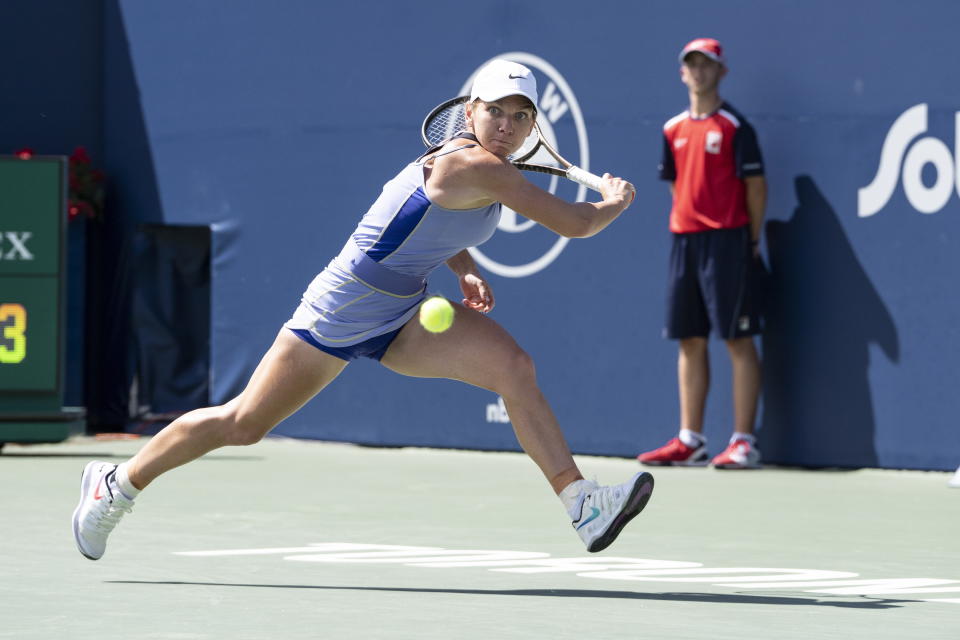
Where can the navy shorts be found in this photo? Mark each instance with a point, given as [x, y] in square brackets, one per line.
[715, 284]
[374, 348]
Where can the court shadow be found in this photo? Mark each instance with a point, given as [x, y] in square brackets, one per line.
[720, 598]
[115, 456]
[53, 454]
[823, 313]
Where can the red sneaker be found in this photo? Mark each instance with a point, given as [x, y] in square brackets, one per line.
[739, 455]
[675, 453]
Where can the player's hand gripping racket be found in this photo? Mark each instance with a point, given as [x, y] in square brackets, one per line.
[449, 118]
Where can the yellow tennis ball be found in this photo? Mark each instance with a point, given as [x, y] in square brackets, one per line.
[436, 314]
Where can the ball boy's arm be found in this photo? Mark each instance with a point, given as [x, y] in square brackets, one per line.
[756, 193]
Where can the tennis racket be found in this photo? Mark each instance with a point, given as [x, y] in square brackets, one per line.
[449, 118]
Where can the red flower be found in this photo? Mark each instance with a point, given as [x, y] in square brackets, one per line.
[80, 155]
[80, 208]
[86, 191]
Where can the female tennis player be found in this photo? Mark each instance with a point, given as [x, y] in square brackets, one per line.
[363, 305]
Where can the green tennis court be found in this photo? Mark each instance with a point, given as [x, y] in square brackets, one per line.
[294, 539]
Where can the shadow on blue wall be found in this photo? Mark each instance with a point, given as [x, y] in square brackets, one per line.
[133, 198]
[823, 314]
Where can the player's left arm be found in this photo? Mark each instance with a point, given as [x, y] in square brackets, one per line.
[477, 293]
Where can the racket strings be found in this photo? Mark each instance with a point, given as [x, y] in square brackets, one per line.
[445, 124]
[449, 119]
[528, 150]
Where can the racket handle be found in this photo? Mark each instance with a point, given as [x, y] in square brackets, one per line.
[585, 178]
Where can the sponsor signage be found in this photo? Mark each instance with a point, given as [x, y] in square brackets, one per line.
[32, 216]
[902, 160]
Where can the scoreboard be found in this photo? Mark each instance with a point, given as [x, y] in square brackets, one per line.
[32, 289]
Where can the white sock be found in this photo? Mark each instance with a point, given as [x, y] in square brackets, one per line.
[692, 439]
[122, 478]
[748, 437]
[570, 496]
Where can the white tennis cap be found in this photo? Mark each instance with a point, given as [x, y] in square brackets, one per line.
[502, 78]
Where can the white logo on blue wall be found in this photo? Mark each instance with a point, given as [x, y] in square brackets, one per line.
[562, 124]
[929, 150]
[497, 412]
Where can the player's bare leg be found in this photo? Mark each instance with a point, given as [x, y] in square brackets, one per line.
[480, 352]
[289, 375]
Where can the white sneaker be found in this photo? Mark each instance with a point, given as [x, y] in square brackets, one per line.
[604, 511]
[100, 509]
[955, 480]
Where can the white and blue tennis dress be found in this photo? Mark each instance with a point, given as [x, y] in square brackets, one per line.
[358, 304]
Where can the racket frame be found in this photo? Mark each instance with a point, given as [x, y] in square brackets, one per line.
[566, 169]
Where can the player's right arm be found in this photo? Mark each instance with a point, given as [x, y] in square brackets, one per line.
[478, 177]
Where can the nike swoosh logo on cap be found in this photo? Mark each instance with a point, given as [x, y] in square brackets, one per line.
[513, 77]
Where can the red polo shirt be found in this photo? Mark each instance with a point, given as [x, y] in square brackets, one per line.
[707, 159]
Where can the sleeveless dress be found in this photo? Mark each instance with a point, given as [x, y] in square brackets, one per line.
[377, 282]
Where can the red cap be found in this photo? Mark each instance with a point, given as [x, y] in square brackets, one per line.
[707, 46]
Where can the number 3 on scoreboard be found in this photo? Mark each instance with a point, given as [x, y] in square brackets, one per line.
[13, 337]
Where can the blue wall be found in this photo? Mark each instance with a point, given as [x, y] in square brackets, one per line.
[51, 94]
[278, 123]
